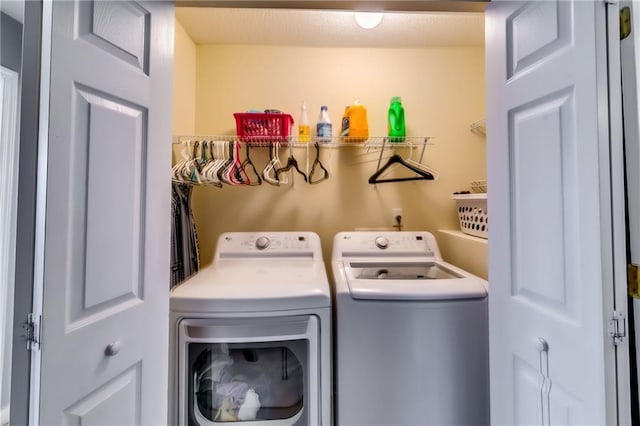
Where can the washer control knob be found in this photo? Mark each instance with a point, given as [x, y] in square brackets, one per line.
[262, 243]
[382, 242]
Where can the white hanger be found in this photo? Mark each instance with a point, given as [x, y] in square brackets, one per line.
[419, 164]
[210, 172]
[190, 172]
[176, 170]
[273, 165]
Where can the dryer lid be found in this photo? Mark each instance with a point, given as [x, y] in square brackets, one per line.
[416, 280]
[254, 286]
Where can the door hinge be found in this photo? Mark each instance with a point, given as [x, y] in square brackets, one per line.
[633, 281]
[32, 332]
[617, 328]
[625, 22]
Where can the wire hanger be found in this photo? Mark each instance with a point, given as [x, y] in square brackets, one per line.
[292, 162]
[317, 163]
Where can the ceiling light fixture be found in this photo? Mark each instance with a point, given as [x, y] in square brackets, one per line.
[368, 20]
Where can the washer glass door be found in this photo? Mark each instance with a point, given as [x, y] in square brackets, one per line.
[230, 376]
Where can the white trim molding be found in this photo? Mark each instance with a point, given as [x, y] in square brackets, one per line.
[9, 143]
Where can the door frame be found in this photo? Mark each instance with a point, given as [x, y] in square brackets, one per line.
[29, 128]
[41, 208]
[618, 378]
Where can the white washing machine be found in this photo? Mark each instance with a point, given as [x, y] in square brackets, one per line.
[412, 334]
[251, 335]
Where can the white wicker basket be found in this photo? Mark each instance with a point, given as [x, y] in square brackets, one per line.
[472, 214]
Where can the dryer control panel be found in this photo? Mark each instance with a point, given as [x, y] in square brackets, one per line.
[385, 244]
[269, 245]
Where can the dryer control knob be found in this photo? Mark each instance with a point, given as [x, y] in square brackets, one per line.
[262, 243]
[382, 242]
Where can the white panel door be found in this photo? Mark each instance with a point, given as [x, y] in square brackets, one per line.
[546, 263]
[106, 258]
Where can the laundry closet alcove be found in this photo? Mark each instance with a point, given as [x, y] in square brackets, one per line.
[441, 83]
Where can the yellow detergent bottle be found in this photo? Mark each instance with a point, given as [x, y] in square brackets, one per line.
[355, 127]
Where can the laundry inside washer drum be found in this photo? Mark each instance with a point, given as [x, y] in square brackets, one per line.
[225, 374]
[402, 271]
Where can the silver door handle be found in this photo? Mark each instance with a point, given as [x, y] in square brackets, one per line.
[544, 381]
[542, 345]
[113, 348]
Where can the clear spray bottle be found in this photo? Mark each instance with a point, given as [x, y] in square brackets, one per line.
[304, 131]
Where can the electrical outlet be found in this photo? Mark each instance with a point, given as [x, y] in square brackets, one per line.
[395, 212]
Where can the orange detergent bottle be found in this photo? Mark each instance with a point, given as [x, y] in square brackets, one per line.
[355, 127]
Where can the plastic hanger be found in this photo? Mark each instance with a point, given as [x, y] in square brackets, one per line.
[190, 171]
[396, 159]
[269, 167]
[180, 171]
[222, 155]
[204, 154]
[204, 159]
[247, 162]
[208, 171]
[229, 171]
[317, 163]
[210, 162]
[292, 162]
[419, 163]
[222, 171]
[235, 173]
[281, 178]
[273, 165]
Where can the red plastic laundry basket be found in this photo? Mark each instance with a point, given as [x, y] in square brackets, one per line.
[256, 127]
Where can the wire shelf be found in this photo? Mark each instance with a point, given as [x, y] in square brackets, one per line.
[333, 142]
[201, 154]
[478, 186]
[479, 127]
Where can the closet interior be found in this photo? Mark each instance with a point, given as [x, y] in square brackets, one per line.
[230, 61]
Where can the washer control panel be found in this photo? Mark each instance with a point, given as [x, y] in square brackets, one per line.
[381, 244]
[269, 244]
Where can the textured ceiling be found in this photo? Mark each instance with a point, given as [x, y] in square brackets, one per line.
[329, 28]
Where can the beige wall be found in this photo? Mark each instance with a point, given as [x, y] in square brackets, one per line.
[184, 83]
[442, 91]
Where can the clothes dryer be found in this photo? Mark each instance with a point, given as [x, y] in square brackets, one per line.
[412, 334]
[251, 335]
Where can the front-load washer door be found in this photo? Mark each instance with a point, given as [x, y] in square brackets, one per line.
[419, 280]
[262, 371]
